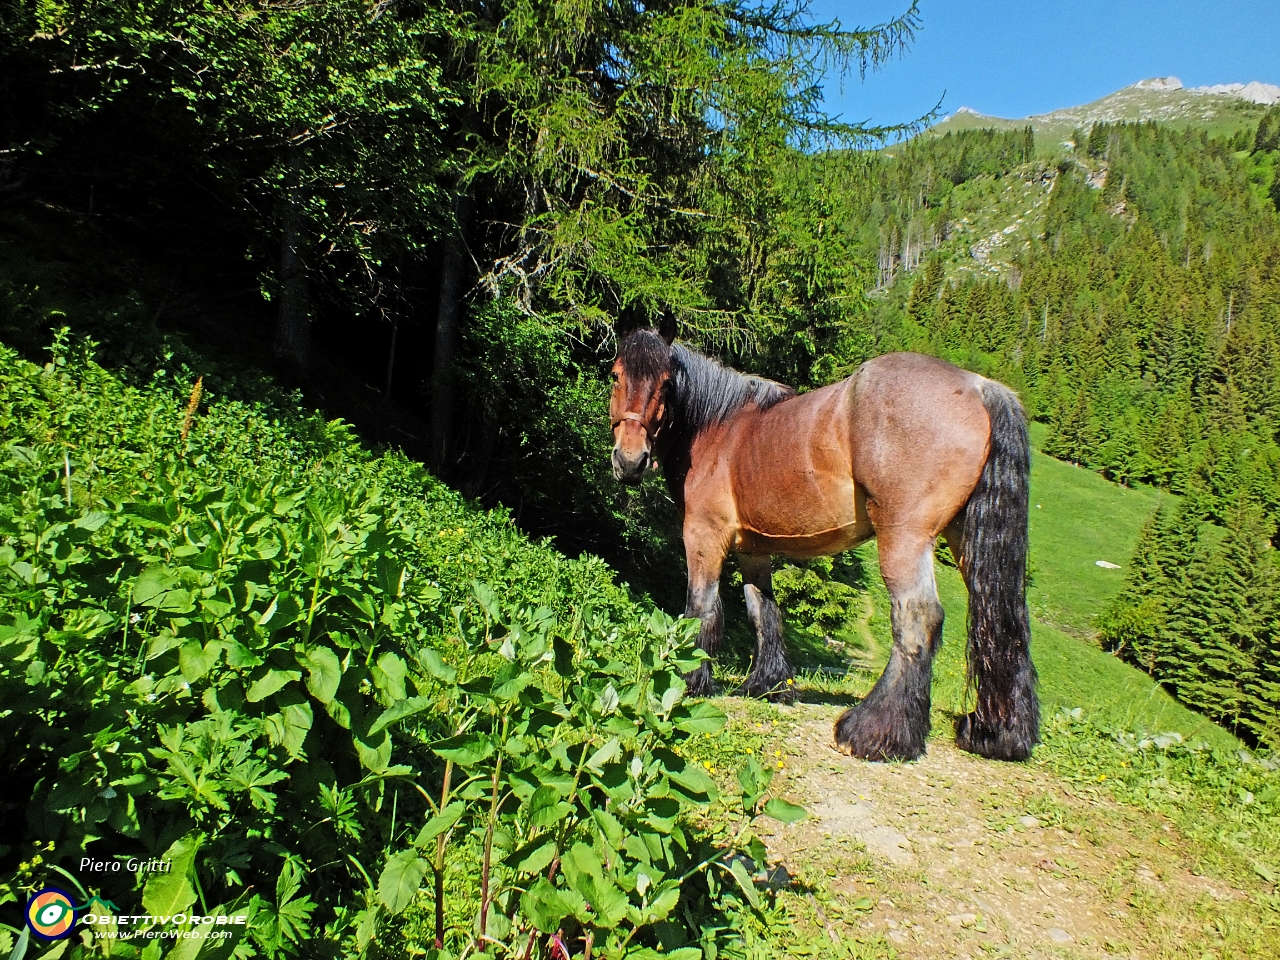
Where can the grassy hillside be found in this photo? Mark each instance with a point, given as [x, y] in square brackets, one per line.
[1078, 518]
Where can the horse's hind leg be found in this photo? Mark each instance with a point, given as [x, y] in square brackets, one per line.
[893, 721]
[770, 669]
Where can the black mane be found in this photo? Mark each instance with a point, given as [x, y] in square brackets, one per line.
[704, 392]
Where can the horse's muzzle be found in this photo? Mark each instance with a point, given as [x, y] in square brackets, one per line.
[629, 469]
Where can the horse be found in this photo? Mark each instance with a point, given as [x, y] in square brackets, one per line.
[907, 449]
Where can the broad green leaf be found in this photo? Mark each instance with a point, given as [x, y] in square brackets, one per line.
[533, 857]
[339, 712]
[195, 661]
[398, 711]
[388, 675]
[745, 882]
[401, 880]
[586, 860]
[664, 903]
[56, 952]
[563, 656]
[93, 520]
[154, 582]
[488, 599]
[689, 776]
[170, 893]
[374, 751]
[289, 727]
[465, 750]
[324, 672]
[160, 588]
[434, 664]
[609, 826]
[270, 682]
[391, 576]
[607, 902]
[544, 906]
[285, 609]
[701, 717]
[508, 687]
[162, 644]
[298, 719]
[784, 810]
[545, 807]
[755, 780]
[669, 687]
[440, 823]
[607, 701]
[359, 599]
[606, 754]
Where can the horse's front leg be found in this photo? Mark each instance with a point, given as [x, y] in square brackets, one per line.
[770, 669]
[892, 722]
[704, 603]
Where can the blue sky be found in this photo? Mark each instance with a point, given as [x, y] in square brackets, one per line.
[1013, 58]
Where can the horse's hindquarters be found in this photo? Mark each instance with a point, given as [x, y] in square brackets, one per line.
[920, 434]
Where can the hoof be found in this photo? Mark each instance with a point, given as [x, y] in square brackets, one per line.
[699, 683]
[1005, 743]
[875, 735]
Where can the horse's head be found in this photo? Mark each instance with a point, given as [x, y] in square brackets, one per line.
[638, 405]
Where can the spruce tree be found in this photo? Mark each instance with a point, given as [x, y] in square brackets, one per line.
[1268, 135]
[1132, 623]
[924, 292]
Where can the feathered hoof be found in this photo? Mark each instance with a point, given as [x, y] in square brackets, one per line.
[1005, 743]
[873, 734]
[699, 683]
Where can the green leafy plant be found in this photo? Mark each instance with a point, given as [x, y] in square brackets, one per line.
[268, 666]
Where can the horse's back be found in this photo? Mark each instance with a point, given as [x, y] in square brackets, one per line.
[903, 441]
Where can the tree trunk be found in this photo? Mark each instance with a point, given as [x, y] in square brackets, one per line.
[391, 361]
[293, 328]
[453, 285]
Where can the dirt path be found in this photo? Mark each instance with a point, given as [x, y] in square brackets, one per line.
[954, 856]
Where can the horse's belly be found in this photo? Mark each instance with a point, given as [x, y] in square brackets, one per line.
[817, 543]
[810, 520]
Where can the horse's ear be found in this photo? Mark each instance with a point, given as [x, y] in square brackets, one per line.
[630, 319]
[667, 326]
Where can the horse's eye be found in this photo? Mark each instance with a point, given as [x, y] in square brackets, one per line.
[613, 375]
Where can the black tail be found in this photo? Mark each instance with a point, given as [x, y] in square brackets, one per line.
[1005, 723]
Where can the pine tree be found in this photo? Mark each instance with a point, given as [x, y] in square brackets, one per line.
[1098, 136]
[924, 292]
[1268, 135]
[1219, 618]
[1133, 622]
[1264, 690]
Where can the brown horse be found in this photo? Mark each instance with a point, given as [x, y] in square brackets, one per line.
[905, 450]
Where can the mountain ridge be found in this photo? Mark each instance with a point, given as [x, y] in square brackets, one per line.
[1223, 108]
